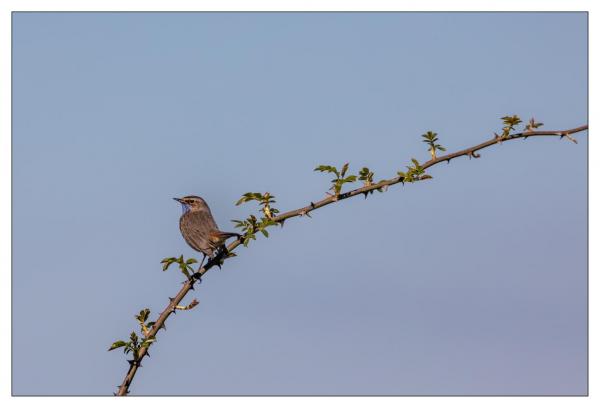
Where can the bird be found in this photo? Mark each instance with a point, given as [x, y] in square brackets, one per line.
[199, 228]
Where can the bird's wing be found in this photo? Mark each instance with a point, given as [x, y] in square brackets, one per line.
[196, 228]
[204, 219]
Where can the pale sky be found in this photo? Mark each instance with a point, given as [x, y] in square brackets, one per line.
[474, 282]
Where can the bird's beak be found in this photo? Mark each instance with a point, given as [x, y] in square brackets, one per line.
[177, 199]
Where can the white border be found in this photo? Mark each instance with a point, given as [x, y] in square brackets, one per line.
[7, 6]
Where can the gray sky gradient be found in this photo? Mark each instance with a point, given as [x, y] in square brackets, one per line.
[472, 283]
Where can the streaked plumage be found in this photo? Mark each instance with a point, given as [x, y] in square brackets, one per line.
[199, 228]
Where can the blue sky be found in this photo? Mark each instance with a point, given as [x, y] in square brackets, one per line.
[472, 283]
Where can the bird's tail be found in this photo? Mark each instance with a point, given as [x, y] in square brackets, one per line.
[226, 235]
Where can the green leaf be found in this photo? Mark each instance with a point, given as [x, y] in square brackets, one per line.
[415, 162]
[324, 168]
[429, 136]
[143, 316]
[191, 261]
[532, 124]
[117, 344]
[327, 169]
[511, 121]
[344, 169]
[265, 233]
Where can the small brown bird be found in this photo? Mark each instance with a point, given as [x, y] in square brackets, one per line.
[199, 229]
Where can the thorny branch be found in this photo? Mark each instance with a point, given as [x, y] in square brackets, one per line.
[174, 302]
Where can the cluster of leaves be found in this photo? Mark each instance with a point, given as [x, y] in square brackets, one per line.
[413, 173]
[251, 225]
[185, 265]
[431, 139]
[145, 325]
[135, 343]
[265, 200]
[340, 177]
[366, 176]
[532, 124]
[510, 123]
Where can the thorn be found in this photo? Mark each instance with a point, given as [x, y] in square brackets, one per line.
[312, 204]
[171, 299]
[476, 155]
[448, 160]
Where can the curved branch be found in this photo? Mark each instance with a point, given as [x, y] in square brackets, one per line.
[189, 285]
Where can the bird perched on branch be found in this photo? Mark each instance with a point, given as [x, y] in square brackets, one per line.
[199, 228]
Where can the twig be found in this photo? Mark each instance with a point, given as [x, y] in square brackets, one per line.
[188, 285]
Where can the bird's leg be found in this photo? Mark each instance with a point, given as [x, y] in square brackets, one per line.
[200, 266]
[197, 275]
